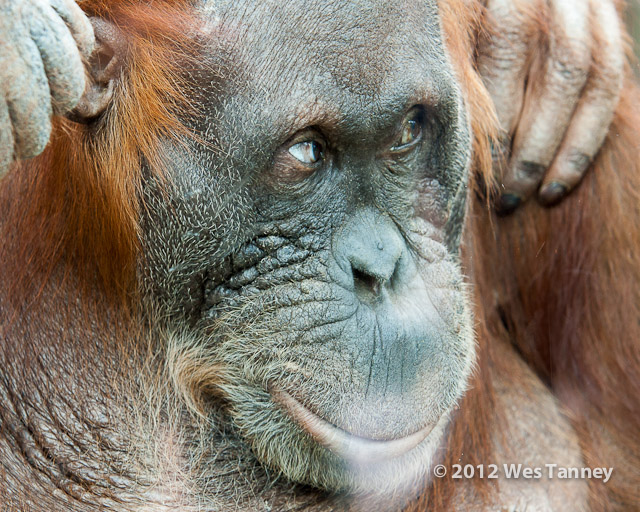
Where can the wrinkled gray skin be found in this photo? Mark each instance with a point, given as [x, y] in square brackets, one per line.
[342, 287]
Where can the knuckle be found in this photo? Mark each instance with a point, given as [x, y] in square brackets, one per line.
[495, 62]
[570, 72]
[571, 57]
[528, 172]
[571, 166]
[571, 67]
[66, 81]
[577, 164]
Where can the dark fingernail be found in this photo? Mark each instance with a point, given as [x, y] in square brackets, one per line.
[508, 203]
[552, 193]
[531, 170]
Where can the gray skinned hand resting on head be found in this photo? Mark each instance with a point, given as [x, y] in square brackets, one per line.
[554, 70]
[42, 47]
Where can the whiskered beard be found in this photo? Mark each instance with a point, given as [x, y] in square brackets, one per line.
[286, 449]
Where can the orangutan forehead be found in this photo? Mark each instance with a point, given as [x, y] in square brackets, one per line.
[373, 35]
[368, 52]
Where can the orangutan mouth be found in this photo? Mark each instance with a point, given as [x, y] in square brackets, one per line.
[356, 449]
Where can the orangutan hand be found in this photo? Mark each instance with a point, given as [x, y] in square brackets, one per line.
[42, 46]
[554, 69]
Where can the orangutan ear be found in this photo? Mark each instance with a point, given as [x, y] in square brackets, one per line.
[103, 70]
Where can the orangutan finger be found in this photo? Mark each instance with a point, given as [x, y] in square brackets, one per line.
[549, 101]
[591, 121]
[503, 61]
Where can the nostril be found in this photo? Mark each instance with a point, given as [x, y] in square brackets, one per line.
[366, 284]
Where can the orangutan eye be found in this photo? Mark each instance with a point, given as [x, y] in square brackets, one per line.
[411, 131]
[308, 152]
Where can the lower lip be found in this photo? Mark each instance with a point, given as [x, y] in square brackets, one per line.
[352, 448]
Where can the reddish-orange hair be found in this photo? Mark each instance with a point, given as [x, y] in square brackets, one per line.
[565, 280]
[562, 285]
[79, 201]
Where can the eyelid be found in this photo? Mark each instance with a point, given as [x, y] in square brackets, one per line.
[306, 135]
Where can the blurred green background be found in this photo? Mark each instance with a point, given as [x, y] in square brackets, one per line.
[633, 21]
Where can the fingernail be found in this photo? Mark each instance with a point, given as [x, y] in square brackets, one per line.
[508, 203]
[552, 193]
